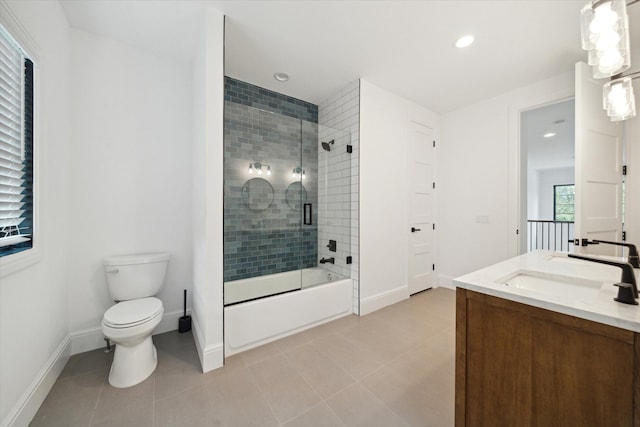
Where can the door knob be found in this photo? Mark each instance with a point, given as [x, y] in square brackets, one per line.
[413, 229]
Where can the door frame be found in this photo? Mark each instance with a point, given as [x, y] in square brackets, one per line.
[516, 215]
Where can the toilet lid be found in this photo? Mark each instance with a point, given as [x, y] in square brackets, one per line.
[132, 312]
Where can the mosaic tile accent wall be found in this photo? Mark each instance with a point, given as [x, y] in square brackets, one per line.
[263, 230]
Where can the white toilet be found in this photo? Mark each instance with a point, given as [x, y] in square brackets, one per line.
[133, 280]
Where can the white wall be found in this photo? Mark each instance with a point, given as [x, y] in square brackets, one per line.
[33, 301]
[547, 178]
[479, 175]
[533, 195]
[131, 168]
[206, 179]
[384, 120]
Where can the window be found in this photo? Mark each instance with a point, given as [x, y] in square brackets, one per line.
[564, 202]
[16, 147]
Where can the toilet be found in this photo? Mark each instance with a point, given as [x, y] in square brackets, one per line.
[133, 280]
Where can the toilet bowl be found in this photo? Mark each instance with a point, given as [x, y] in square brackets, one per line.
[129, 324]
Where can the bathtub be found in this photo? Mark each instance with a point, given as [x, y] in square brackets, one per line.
[258, 287]
[324, 296]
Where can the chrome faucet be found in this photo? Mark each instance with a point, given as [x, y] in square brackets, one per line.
[331, 260]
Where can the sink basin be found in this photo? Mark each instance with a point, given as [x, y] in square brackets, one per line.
[562, 257]
[553, 284]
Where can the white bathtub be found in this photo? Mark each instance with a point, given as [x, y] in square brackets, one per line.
[324, 296]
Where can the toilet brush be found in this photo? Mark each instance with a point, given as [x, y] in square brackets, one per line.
[184, 323]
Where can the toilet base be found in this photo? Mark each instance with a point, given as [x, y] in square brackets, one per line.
[133, 364]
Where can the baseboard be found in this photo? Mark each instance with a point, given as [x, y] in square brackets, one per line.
[29, 403]
[376, 302]
[212, 356]
[92, 338]
[445, 281]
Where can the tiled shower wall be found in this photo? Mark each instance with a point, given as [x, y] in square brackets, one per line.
[334, 194]
[342, 111]
[271, 239]
[247, 94]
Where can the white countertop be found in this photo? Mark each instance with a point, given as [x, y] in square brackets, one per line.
[597, 306]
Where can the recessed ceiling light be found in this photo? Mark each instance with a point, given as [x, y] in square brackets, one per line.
[464, 41]
[281, 77]
[549, 135]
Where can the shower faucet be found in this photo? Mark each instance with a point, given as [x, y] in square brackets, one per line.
[331, 260]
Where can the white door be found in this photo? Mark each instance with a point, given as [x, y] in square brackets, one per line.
[598, 200]
[421, 202]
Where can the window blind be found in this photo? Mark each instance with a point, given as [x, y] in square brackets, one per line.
[16, 123]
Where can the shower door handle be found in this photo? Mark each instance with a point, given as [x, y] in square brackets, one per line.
[308, 214]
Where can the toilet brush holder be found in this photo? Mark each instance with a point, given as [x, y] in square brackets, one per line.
[184, 323]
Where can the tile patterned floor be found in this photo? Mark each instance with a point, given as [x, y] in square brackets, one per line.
[394, 367]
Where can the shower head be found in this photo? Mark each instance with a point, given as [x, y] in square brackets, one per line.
[326, 146]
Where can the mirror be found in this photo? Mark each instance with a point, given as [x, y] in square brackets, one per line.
[257, 194]
[296, 195]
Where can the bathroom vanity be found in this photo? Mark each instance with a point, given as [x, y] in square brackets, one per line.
[541, 342]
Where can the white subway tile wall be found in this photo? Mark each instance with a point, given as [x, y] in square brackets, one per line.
[340, 112]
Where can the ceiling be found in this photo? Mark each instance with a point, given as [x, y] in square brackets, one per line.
[553, 152]
[405, 47]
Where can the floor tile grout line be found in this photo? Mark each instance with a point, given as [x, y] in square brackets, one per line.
[95, 405]
[311, 387]
[331, 396]
[355, 380]
[336, 414]
[263, 394]
[384, 404]
[322, 402]
[153, 402]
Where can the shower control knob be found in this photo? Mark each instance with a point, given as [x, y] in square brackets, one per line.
[413, 229]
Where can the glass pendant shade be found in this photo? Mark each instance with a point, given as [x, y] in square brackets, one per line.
[619, 100]
[605, 34]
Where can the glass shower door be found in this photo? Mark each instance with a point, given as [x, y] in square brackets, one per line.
[334, 152]
[262, 203]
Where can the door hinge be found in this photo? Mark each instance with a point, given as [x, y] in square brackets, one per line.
[624, 170]
[433, 267]
[434, 185]
[349, 259]
[434, 143]
[434, 226]
[349, 148]
[517, 231]
[624, 236]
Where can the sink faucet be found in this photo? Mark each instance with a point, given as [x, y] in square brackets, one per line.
[331, 260]
[633, 251]
[628, 288]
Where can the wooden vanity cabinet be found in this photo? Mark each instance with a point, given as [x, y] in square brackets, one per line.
[518, 365]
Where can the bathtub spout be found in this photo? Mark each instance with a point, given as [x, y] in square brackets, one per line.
[331, 260]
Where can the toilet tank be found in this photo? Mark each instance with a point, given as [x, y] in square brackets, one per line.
[135, 276]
